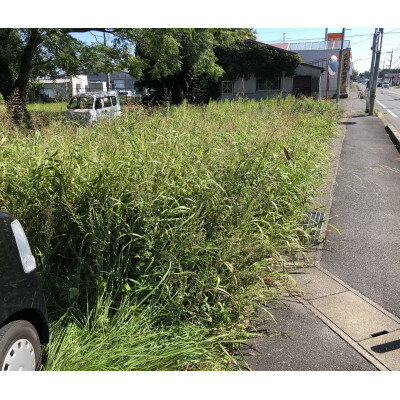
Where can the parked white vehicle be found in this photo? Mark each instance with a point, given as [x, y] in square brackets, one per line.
[129, 93]
[90, 107]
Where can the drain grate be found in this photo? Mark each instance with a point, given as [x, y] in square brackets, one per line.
[313, 224]
[380, 333]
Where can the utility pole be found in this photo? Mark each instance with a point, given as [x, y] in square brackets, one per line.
[391, 58]
[372, 85]
[107, 75]
[390, 65]
[339, 75]
[371, 73]
[283, 37]
[326, 34]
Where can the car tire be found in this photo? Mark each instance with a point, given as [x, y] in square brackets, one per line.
[20, 348]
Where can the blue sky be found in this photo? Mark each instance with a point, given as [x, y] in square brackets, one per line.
[360, 41]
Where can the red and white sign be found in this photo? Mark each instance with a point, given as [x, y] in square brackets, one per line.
[333, 37]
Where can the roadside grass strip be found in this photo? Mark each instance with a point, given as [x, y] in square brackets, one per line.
[159, 233]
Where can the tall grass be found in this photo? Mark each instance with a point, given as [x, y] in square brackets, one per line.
[157, 233]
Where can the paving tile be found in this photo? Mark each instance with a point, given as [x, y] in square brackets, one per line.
[386, 348]
[353, 315]
[315, 283]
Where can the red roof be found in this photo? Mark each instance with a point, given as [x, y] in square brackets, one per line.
[284, 46]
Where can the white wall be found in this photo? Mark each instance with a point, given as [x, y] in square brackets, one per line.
[56, 90]
[79, 84]
[248, 88]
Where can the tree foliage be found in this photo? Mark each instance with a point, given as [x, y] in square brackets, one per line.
[180, 62]
[249, 58]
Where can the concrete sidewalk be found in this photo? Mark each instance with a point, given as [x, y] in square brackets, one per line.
[347, 318]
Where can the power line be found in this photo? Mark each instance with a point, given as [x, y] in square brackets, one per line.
[394, 32]
[361, 59]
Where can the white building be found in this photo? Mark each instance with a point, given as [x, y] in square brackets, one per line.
[306, 81]
[319, 53]
[118, 80]
[63, 88]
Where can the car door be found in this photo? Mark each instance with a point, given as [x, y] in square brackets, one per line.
[109, 107]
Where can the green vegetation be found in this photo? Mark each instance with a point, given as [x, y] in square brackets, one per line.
[161, 54]
[158, 233]
[190, 63]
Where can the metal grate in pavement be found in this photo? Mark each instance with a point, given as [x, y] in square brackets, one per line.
[313, 225]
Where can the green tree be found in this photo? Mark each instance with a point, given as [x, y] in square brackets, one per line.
[181, 63]
[254, 58]
[189, 63]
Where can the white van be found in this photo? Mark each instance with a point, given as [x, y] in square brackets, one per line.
[90, 107]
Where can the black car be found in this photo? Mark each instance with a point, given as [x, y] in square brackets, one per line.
[23, 315]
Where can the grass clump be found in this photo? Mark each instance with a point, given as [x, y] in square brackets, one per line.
[158, 232]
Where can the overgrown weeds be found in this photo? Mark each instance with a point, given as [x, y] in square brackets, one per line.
[157, 233]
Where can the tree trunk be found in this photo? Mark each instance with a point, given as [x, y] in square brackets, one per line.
[14, 90]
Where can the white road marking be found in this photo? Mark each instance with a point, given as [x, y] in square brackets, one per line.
[390, 112]
[380, 104]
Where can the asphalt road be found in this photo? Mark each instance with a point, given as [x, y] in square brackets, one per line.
[388, 101]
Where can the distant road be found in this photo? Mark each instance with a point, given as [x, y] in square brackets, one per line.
[388, 101]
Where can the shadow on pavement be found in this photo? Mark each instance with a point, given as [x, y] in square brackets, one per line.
[385, 347]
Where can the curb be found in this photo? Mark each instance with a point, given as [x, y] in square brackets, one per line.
[393, 133]
[344, 336]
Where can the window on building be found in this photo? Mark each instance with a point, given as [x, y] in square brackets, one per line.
[268, 84]
[117, 84]
[227, 87]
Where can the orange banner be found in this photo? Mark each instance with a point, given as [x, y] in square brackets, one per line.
[334, 37]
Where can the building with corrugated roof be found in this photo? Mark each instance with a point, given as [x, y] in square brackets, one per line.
[319, 53]
[305, 82]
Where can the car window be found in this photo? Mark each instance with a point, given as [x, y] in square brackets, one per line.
[73, 104]
[98, 104]
[113, 100]
[107, 102]
[81, 103]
